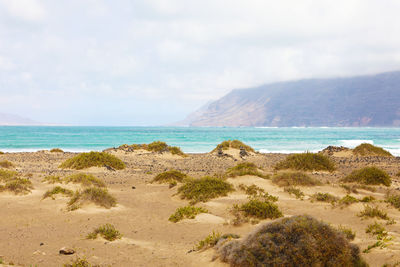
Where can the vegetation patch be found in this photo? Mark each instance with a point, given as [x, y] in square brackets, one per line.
[306, 162]
[294, 179]
[294, 241]
[56, 150]
[393, 199]
[348, 232]
[6, 175]
[17, 185]
[156, 146]
[187, 212]
[294, 191]
[98, 196]
[376, 229]
[245, 168]
[324, 197]
[58, 190]
[225, 145]
[348, 200]
[79, 262]
[204, 189]
[367, 199]
[212, 239]
[93, 159]
[369, 176]
[381, 234]
[260, 209]
[251, 190]
[85, 180]
[6, 164]
[373, 212]
[365, 150]
[107, 231]
[52, 179]
[170, 177]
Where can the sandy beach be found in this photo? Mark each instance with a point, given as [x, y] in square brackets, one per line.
[33, 229]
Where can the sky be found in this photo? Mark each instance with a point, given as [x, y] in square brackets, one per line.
[152, 62]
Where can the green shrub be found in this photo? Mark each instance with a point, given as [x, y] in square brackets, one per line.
[294, 179]
[294, 191]
[306, 162]
[52, 179]
[156, 146]
[78, 262]
[251, 190]
[98, 196]
[348, 200]
[85, 180]
[371, 150]
[187, 212]
[17, 186]
[6, 164]
[208, 242]
[393, 199]
[233, 144]
[170, 176]
[294, 241]
[204, 189]
[56, 150]
[58, 190]
[174, 150]
[260, 209]
[245, 168]
[369, 176]
[107, 231]
[367, 199]
[324, 197]
[6, 175]
[376, 229]
[372, 212]
[348, 232]
[93, 159]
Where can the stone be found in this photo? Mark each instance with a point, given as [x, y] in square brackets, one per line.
[66, 251]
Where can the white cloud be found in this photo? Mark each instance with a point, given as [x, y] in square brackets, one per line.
[30, 10]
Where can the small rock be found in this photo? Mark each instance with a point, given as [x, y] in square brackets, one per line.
[66, 251]
[41, 244]
[133, 187]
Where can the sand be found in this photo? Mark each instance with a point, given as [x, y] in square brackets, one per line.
[33, 230]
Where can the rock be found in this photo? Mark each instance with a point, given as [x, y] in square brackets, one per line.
[41, 244]
[133, 187]
[109, 168]
[66, 251]
[243, 152]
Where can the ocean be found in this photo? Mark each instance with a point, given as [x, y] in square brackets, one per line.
[194, 139]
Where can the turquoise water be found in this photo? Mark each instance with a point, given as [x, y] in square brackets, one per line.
[192, 139]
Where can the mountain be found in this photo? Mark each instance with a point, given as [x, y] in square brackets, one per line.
[11, 119]
[372, 100]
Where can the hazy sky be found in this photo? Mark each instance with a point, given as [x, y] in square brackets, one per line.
[152, 62]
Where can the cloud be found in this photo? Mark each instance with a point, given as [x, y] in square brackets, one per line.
[29, 10]
[154, 61]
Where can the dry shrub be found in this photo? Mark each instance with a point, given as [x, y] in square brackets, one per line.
[56, 150]
[98, 196]
[6, 164]
[370, 176]
[294, 179]
[306, 162]
[245, 168]
[85, 180]
[294, 241]
[233, 144]
[107, 231]
[366, 150]
[170, 177]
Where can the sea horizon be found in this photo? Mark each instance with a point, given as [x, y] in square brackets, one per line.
[195, 139]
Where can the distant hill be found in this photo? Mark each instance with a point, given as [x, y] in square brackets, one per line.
[11, 119]
[372, 100]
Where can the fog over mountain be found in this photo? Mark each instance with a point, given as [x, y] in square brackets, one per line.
[372, 100]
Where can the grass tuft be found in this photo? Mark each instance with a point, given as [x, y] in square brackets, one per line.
[58, 190]
[187, 212]
[225, 145]
[294, 241]
[306, 162]
[98, 196]
[6, 175]
[79, 262]
[107, 231]
[93, 159]
[52, 179]
[393, 199]
[204, 189]
[348, 232]
[56, 150]
[6, 164]
[294, 191]
[324, 197]
[348, 200]
[371, 150]
[85, 180]
[17, 186]
[257, 208]
[170, 177]
[156, 146]
[369, 176]
[245, 168]
[372, 212]
[294, 179]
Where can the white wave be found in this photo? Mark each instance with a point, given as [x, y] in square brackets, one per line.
[266, 127]
[354, 143]
[285, 151]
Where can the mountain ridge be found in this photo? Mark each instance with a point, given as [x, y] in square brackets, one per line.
[369, 100]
